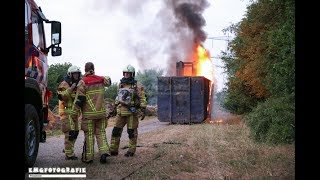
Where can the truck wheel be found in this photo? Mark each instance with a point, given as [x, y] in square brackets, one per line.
[32, 134]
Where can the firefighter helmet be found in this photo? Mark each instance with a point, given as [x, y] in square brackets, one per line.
[73, 69]
[129, 69]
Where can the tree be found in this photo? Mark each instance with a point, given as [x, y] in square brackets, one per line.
[260, 62]
[56, 73]
[148, 78]
[111, 92]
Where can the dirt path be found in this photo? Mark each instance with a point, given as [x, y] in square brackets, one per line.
[218, 149]
[50, 153]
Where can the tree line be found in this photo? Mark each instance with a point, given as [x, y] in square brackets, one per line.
[148, 78]
[260, 64]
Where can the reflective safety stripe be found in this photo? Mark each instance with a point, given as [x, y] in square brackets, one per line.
[104, 146]
[65, 92]
[94, 113]
[90, 135]
[143, 100]
[69, 111]
[130, 123]
[131, 146]
[125, 112]
[95, 91]
[93, 108]
[71, 123]
[75, 100]
[68, 151]
[91, 103]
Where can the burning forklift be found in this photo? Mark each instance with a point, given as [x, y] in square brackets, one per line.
[186, 97]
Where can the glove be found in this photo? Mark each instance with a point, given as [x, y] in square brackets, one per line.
[73, 135]
[143, 113]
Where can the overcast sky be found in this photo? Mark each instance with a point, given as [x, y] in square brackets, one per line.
[143, 33]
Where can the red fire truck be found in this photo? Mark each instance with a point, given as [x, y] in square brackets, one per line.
[36, 91]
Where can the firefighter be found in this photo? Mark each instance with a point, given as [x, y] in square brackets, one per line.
[91, 100]
[129, 102]
[68, 111]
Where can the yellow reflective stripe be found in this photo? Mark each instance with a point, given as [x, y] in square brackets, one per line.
[131, 145]
[75, 100]
[91, 103]
[125, 112]
[69, 103]
[93, 113]
[132, 101]
[143, 101]
[91, 143]
[65, 92]
[130, 123]
[103, 148]
[103, 135]
[122, 113]
[68, 152]
[97, 112]
[69, 112]
[71, 122]
[95, 91]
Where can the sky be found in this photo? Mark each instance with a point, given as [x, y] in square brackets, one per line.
[144, 33]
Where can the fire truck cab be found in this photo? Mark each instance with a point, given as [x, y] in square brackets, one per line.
[36, 92]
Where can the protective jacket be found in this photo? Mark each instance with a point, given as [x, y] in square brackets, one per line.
[131, 97]
[67, 107]
[91, 89]
[69, 113]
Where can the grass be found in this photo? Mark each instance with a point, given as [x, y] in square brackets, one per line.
[213, 152]
[198, 151]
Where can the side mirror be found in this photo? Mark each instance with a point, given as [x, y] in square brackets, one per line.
[55, 32]
[56, 51]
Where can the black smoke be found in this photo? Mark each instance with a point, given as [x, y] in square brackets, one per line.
[188, 28]
[159, 32]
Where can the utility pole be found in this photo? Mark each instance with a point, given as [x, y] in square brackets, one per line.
[220, 38]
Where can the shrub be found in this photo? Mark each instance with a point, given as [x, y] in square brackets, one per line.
[273, 121]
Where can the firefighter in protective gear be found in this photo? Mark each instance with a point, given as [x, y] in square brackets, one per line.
[130, 99]
[91, 100]
[68, 110]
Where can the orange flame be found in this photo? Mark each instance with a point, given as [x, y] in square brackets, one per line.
[204, 64]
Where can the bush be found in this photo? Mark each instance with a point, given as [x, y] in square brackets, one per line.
[273, 121]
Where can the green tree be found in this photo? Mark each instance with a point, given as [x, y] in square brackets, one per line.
[111, 92]
[148, 78]
[56, 73]
[260, 63]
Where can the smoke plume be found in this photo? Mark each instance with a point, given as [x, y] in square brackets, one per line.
[160, 33]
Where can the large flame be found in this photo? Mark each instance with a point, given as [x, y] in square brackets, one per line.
[204, 64]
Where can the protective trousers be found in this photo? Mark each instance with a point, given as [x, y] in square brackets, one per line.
[132, 130]
[70, 128]
[94, 128]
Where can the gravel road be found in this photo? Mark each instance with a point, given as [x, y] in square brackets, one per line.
[50, 153]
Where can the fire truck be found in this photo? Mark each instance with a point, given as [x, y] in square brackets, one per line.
[36, 91]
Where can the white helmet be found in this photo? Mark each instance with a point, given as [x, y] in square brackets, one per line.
[129, 69]
[73, 69]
